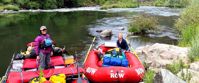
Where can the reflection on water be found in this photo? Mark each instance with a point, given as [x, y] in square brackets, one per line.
[73, 29]
[69, 29]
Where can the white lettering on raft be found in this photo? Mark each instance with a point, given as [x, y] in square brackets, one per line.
[139, 71]
[91, 70]
[117, 74]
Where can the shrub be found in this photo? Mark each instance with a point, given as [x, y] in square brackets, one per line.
[142, 23]
[172, 3]
[194, 51]
[7, 1]
[120, 4]
[85, 2]
[60, 3]
[176, 66]
[22, 3]
[100, 2]
[187, 35]
[189, 16]
[149, 76]
[50, 4]
[33, 5]
[11, 7]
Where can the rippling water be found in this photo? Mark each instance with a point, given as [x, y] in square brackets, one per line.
[72, 28]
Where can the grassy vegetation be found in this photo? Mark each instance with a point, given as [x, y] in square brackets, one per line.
[176, 66]
[149, 76]
[172, 3]
[188, 26]
[142, 23]
[9, 7]
[194, 51]
[120, 4]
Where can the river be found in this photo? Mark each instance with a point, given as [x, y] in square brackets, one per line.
[74, 28]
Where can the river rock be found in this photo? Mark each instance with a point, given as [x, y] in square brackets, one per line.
[165, 76]
[98, 31]
[194, 66]
[121, 28]
[159, 55]
[189, 74]
[106, 33]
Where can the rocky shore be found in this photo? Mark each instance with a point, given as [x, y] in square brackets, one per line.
[158, 56]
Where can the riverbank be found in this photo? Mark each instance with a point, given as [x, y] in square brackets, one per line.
[168, 62]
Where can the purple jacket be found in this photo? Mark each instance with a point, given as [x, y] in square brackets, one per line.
[38, 41]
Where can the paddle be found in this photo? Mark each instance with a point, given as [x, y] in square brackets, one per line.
[79, 79]
[131, 49]
[3, 79]
[89, 49]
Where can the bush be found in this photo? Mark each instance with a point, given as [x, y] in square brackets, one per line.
[187, 35]
[50, 4]
[189, 16]
[176, 66]
[194, 51]
[7, 1]
[22, 3]
[142, 23]
[120, 4]
[85, 3]
[60, 3]
[149, 76]
[100, 2]
[33, 5]
[172, 3]
[11, 7]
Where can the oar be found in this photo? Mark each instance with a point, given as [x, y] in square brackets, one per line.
[79, 79]
[131, 49]
[89, 49]
[3, 79]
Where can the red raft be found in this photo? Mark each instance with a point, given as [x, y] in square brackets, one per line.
[27, 73]
[98, 74]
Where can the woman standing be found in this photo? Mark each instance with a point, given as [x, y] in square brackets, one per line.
[43, 48]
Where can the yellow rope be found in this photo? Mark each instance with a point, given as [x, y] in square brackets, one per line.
[89, 49]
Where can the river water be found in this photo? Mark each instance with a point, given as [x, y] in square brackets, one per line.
[74, 28]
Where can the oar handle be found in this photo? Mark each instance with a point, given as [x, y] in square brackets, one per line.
[89, 50]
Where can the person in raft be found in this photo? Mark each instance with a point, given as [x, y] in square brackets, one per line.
[121, 43]
[43, 48]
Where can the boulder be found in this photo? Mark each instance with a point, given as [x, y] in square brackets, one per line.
[190, 75]
[120, 28]
[106, 33]
[159, 55]
[194, 66]
[165, 76]
[98, 31]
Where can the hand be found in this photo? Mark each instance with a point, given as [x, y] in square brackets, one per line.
[38, 57]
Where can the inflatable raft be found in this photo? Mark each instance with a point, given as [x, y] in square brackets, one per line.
[97, 73]
[25, 70]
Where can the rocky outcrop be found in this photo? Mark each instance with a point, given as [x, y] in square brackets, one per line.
[194, 66]
[159, 55]
[189, 74]
[165, 76]
[106, 33]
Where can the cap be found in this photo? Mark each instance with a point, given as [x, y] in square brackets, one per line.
[42, 28]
